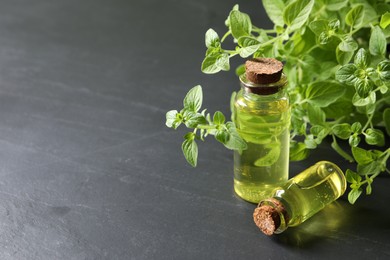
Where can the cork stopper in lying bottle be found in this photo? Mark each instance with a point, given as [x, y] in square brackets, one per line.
[267, 219]
[269, 215]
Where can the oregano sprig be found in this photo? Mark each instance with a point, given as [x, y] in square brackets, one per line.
[202, 125]
[338, 68]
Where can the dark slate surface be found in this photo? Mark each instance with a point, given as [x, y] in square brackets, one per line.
[88, 169]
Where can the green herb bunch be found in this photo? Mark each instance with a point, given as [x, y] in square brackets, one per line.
[336, 61]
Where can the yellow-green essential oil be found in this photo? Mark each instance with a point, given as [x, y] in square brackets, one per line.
[300, 198]
[261, 114]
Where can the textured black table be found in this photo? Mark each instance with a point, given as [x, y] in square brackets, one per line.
[89, 171]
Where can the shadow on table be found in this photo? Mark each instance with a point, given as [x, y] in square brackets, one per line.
[338, 220]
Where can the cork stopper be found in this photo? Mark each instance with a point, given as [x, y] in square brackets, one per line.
[268, 214]
[267, 219]
[263, 70]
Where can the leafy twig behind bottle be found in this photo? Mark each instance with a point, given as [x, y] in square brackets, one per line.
[203, 125]
[339, 76]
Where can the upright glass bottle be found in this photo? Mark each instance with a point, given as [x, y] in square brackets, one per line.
[261, 113]
[300, 198]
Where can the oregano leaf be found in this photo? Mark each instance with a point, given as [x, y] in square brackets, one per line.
[249, 45]
[352, 177]
[209, 64]
[353, 195]
[361, 155]
[355, 17]
[374, 137]
[298, 151]
[193, 100]
[296, 13]
[274, 10]
[240, 24]
[323, 93]
[190, 149]
[377, 44]
[235, 141]
[334, 5]
[385, 20]
[361, 59]
[342, 131]
[212, 39]
[346, 74]
[218, 118]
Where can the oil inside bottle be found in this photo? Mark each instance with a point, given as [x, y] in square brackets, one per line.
[263, 122]
[310, 191]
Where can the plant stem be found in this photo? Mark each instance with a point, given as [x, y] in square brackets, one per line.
[340, 151]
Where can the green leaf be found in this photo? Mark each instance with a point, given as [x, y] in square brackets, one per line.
[310, 142]
[374, 137]
[335, 5]
[209, 64]
[355, 17]
[353, 195]
[369, 168]
[369, 187]
[173, 119]
[356, 127]
[235, 141]
[348, 44]
[190, 149]
[339, 109]
[342, 131]
[223, 62]
[218, 118]
[323, 93]
[343, 57]
[240, 24]
[354, 140]
[362, 156]
[386, 120]
[352, 177]
[240, 70]
[377, 44]
[271, 156]
[361, 59]
[319, 131]
[359, 101]
[212, 39]
[363, 87]
[193, 100]
[296, 13]
[274, 10]
[249, 45]
[385, 20]
[346, 74]
[383, 69]
[316, 115]
[222, 136]
[192, 119]
[298, 151]
[319, 26]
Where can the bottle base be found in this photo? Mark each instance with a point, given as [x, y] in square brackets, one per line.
[251, 192]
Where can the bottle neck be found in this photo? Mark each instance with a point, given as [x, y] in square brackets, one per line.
[249, 87]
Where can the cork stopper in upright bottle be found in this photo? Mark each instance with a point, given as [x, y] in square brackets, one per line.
[263, 70]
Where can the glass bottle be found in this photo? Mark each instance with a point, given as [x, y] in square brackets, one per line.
[300, 198]
[261, 113]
